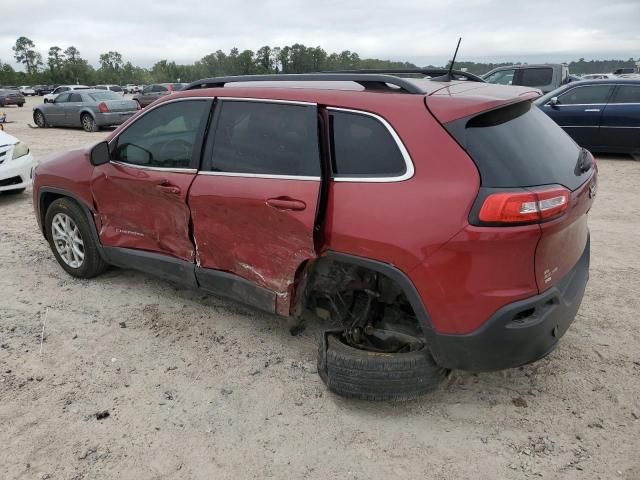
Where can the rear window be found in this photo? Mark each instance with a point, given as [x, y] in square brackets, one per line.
[519, 146]
[361, 147]
[100, 96]
[532, 77]
[115, 88]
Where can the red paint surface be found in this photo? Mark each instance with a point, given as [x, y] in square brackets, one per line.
[235, 230]
[138, 210]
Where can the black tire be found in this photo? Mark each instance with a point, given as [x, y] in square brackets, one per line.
[92, 264]
[365, 375]
[17, 191]
[88, 123]
[21, 105]
[39, 119]
[46, 101]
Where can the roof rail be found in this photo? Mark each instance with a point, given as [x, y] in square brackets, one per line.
[425, 72]
[370, 81]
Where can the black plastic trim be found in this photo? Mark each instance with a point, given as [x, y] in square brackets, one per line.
[157, 264]
[236, 288]
[430, 72]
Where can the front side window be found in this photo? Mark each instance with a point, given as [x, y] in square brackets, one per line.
[266, 138]
[62, 98]
[589, 94]
[627, 94]
[533, 77]
[165, 137]
[501, 77]
[361, 146]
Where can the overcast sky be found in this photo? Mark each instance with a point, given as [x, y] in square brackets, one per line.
[421, 31]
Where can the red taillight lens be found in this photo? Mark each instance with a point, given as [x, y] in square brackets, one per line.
[102, 107]
[529, 206]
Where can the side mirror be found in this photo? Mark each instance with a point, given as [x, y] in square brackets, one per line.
[100, 154]
[554, 101]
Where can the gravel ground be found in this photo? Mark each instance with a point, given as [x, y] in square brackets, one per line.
[194, 386]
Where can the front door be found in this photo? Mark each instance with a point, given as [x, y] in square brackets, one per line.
[620, 125]
[55, 111]
[579, 111]
[72, 109]
[141, 194]
[254, 202]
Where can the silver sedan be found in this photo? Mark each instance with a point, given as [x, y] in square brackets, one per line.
[89, 109]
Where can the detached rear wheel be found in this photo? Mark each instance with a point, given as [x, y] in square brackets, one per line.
[69, 235]
[370, 375]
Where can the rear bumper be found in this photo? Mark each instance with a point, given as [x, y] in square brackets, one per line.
[112, 118]
[506, 341]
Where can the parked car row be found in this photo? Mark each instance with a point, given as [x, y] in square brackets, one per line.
[151, 93]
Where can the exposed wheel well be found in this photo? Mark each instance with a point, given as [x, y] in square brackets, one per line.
[340, 288]
[46, 199]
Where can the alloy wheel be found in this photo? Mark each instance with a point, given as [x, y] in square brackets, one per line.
[68, 240]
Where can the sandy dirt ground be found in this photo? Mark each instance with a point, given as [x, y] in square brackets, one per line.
[199, 387]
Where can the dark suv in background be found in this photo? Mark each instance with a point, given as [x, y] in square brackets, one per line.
[545, 77]
[151, 93]
[11, 97]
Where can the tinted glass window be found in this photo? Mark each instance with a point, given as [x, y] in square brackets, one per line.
[105, 96]
[585, 95]
[158, 88]
[501, 77]
[531, 77]
[628, 94]
[164, 137]
[62, 98]
[519, 146]
[115, 88]
[100, 87]
[361, 146]
[266, 138]
[75, 97]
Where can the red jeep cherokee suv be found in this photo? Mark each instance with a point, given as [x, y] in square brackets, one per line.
[434, 223]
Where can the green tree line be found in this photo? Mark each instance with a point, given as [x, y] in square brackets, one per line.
[65, 65]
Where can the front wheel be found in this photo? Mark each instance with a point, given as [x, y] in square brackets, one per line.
[88, 123]
[370, 375]
[69, 234]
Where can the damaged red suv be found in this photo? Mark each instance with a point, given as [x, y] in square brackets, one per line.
[440, 222]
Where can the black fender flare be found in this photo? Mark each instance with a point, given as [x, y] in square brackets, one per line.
[85, 208]
[395, 274]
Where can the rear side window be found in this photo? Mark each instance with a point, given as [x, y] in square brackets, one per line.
[532, 77]
[519, 146]
[586, 95]
[266, 138]
[75, 97]
[627, 94]
[361, 147]
[159, 88]
[501, 77]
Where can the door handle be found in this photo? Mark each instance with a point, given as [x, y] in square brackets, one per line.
[286, 203]
[167, 187]
[592, 110]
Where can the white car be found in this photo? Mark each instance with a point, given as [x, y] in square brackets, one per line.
[131, 88]
[16, 164]
[26, 90]
[112, 88]
[50, 97]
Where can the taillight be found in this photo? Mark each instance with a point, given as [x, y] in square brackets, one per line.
[102, 107]
[524, 206]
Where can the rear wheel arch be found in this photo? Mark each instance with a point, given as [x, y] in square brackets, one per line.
[305, 283]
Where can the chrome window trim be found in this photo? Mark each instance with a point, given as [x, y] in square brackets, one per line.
[260, 175]
[410, 170]
[157, 169]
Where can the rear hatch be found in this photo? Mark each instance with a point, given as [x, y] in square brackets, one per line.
[531, 173]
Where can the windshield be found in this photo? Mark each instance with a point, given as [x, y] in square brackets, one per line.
[106, 95]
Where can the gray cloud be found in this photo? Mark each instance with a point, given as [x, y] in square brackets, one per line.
[422, 31]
